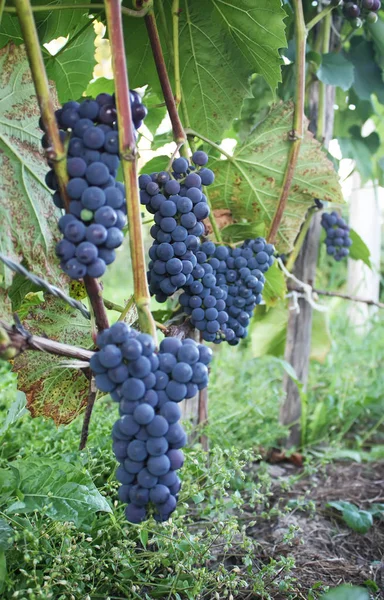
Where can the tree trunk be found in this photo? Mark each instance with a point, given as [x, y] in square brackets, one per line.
[299, 330]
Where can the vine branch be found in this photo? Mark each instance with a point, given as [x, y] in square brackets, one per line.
[129, 12]
[176, 56]
[22, 340]
[153, 34]
[92, 393]
[56, 151]
[297, 133]
[128, 156]
[300, 238]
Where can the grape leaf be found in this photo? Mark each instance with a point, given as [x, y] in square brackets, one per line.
[359, 249]
[63, 491]
[27, 213]
[50, 25]
[52, 390]
[237, 232]
[156, 113]
[275, 287]
[368, 77]
[377, 32]
[156, 164]
[249, 183]
[99, 86]
[360, 149]
[221, 44]
[336, 70]
[72, 66]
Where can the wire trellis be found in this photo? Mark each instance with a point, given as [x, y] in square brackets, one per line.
[51, 289]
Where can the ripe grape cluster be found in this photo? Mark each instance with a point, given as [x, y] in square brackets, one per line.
[92, 229]
[361, 10]
[227, 286]
[337, 239]
[147, 438]
[179, 207]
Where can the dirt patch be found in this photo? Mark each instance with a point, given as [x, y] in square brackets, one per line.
[324, 548]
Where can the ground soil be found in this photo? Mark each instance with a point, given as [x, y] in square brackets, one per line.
[326, 551]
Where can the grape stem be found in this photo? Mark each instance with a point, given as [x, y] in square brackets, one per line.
[323, 13]
[296, 135]
[128, 156]
[129, 12]
[153, 34]
[56, 151]
[2, 7]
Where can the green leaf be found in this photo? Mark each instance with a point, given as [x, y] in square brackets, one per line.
[336, 70]
[346, 592]
[143, 535]
[249, 183]
[359, 250]
[6, 532]
[159, 163]
[197, 498]
[275, 287]
[377, 510]
[72, 67]
[52, 390]
[8, 484]
[237, 40]
[377, 32]
[368, 80]
[268, 330]
[50, 25]
[61, 490]
[237, 232]
[156, 113]
[360, 149]
[26, 208]
[15, 412]
[358, 520]
[99, 86]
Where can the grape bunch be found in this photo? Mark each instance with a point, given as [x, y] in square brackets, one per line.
[361, 10]
[147, 438]
[179, 207]
[337, 239]
[228, 283]
[92, 229]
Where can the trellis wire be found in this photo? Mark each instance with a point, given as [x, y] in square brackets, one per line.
[51, 289]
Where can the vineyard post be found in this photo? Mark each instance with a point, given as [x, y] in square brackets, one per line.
[299, 329]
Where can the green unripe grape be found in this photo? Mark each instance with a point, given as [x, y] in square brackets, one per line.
[371, 18]
[86, 214]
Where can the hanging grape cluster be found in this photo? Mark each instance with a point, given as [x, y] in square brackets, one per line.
[92, 229]
[337, 239]
[147, 438]
[179, 207]
[361, 10]
[221, 285]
